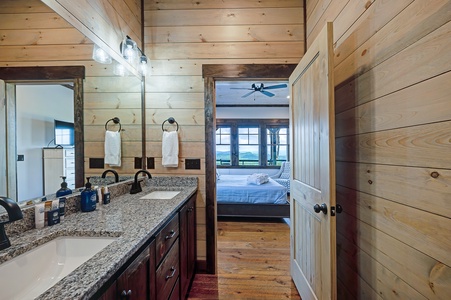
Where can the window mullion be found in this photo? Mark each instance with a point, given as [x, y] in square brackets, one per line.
[234, 144]
[263, 147]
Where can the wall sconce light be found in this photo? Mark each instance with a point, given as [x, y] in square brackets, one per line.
[143, 65]
[119, 69]
[133, 55]
[129, 49]
[100, 56]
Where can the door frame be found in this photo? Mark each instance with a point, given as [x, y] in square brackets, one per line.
[75, 74]
[220, 72]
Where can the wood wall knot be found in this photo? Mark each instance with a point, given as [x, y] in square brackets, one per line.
[370, 181]
[435, 174]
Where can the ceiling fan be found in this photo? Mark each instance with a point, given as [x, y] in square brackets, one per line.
[262, 89]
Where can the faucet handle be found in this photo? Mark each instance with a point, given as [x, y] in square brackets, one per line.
[12, 208]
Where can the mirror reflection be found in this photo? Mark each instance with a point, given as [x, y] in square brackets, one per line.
[44, 116]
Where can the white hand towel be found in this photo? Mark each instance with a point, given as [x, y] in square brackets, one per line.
[170, 149]
[113, 148]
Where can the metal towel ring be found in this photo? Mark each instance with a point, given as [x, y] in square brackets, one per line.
[170, 120]
[115, 121]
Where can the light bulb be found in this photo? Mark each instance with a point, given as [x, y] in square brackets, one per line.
[100, 56]
[143, 65]
[119, 69]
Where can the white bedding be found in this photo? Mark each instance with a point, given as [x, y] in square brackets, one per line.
[235, 189]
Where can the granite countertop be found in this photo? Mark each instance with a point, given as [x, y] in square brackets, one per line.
[131, 219]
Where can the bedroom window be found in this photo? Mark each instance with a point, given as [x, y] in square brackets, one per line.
[248, 146]
[277, 145]
[223, 153]
[254, 143]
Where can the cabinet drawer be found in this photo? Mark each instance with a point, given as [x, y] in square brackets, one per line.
[70, 162]
[166, 237]
[53, 153]
[70, 174]
[168, 272]
[69, 152]
[176, 291]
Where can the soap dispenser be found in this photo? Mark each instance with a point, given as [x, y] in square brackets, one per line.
[64, 190]
[88, 197]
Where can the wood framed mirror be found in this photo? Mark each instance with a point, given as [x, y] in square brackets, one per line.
[42, 75]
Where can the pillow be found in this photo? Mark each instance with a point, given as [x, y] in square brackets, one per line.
[258, 178]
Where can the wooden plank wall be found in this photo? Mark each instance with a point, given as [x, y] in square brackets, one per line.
[181, 36]
[105, 23]
[33, 35]
[393, 125]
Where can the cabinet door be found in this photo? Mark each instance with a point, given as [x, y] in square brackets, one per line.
[187, 244]
[152, 272]
[111, 293]
[133, 283]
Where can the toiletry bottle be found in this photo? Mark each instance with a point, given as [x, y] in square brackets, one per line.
[39, 215]
[88, 198]
[99, 197]
[62, 207]
[47, 207]
[106, 196]
[64, 190]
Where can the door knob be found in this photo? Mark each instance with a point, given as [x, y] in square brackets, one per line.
[339, 209]
[318, 208]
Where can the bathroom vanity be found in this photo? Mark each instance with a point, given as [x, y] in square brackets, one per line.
[154, 249]
[164, 267]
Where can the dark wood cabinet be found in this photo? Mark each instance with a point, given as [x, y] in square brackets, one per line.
[165, 268]
[187, 245]
[168, 272]
[133, 283]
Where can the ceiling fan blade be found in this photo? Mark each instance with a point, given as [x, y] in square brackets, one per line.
[240, 89]
[267, 93]
[245, 95]
[277, 86]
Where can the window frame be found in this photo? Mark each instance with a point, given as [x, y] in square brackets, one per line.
[262, 124]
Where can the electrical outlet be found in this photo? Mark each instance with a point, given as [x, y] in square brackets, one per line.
[151, 163]
[96, 163]
[192, 164]
[138, 163]
[20, 157]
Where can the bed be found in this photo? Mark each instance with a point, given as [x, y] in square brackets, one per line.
[236, 198]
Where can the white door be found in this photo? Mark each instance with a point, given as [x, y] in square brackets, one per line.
[313, 253]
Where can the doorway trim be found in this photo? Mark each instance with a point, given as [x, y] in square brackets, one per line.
[212, 73]
[75, 74]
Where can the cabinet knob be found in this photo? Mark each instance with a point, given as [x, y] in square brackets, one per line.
[173, 269]
[170, 235]
[126, 294]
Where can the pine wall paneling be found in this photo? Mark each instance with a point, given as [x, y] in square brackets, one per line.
[105, 22]
[181, 36]
[393, 139]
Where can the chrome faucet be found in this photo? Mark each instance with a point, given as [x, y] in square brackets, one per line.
[136, 186]
[14, 214]
[116, 176]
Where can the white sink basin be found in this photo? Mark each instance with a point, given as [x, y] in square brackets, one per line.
[32, 273]
[161, 195]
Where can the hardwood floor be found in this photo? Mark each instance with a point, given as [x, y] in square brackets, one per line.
[253, 263]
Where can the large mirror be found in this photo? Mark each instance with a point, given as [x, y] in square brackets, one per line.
[38, 104]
